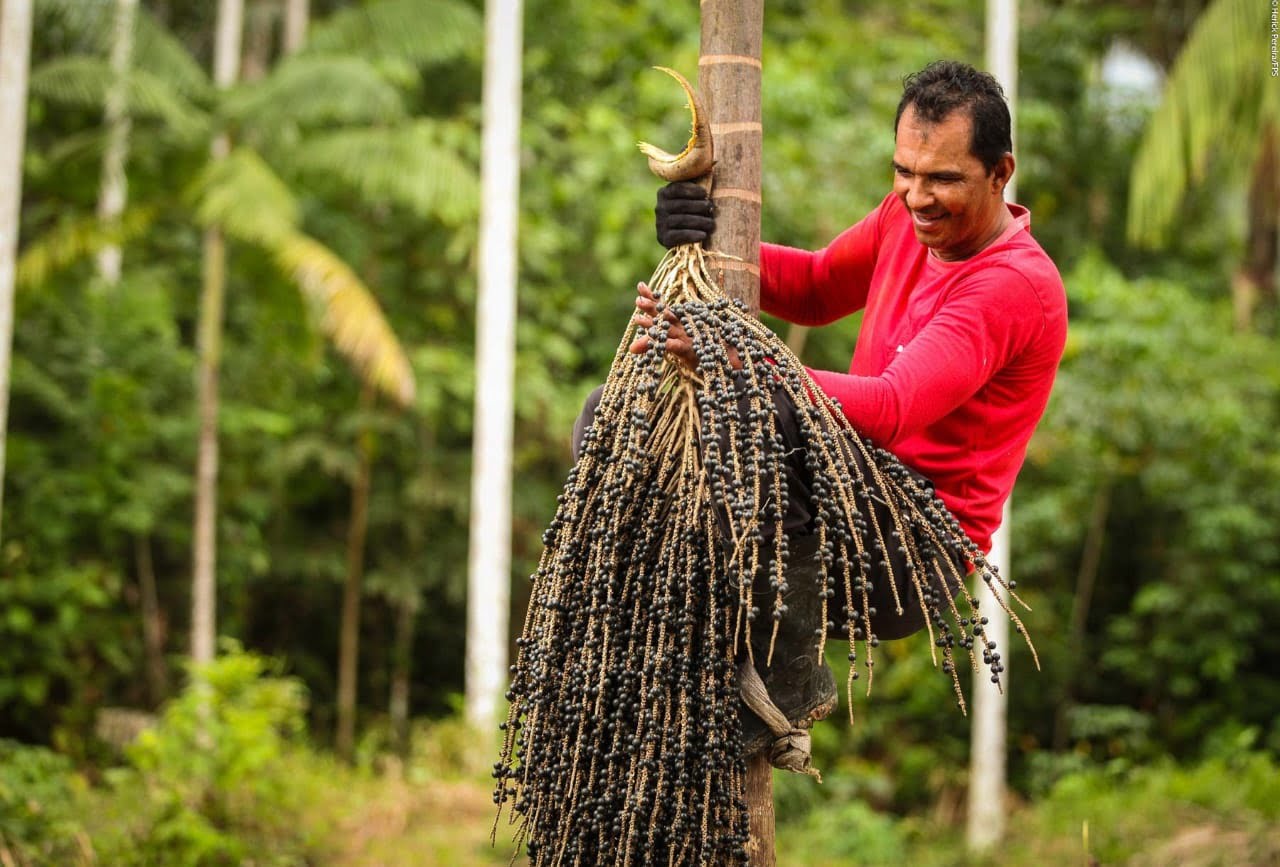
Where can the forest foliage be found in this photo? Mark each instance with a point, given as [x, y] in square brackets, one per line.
[1144, 533]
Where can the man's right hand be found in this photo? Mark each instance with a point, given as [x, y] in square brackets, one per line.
[685, 215]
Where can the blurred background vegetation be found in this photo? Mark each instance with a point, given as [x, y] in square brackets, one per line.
[1145, 530]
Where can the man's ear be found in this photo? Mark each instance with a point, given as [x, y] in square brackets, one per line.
[1001, 173]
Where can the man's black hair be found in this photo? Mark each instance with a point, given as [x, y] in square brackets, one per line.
[946, 85]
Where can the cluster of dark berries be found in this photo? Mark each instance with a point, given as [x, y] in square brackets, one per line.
[622, 741]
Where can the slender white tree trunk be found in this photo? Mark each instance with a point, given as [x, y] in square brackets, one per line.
[113, 190]
[489, 575]
[988, 747]
[15, 50]
[987, 738]
[203, 588]
[297, 13]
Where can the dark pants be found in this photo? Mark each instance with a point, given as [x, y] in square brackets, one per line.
[886, 623]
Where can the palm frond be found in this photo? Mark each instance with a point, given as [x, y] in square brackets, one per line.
[409, 166]
[243, 196]
[83, 80]
[420, 31]
[155, 49]
[1213, 104]
[88, 22]
[349, 315]
[309, 91]
[78, 80]
[160, 53]
[74, 240]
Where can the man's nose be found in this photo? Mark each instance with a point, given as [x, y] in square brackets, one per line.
[918, 194]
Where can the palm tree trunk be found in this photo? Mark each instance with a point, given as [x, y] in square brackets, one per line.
[257, 40]
[1254, 284]
[113, 195]
[113, 189]
[209, 352]
[1086, 579]
[797, 336]
[152, 626]
[988, 744]
[349, 638]
[15, 49]
[489, 566]
[401, 669]
[296, 17]
[729, 74]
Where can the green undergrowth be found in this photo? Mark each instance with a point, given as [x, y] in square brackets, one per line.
[228, 776]
[1221, 812]
[248, 788]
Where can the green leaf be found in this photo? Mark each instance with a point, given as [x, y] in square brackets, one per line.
[1217, 101]
[310, 91]
[20, 619]
[242, 195]
[409, 166]
[83, 81]
[160, 53]
[75, 239]
[421, 31]
[349, 314]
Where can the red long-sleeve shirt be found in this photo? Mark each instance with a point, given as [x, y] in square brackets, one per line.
[955, 360]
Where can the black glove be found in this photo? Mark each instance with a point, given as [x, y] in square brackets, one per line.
[684, 214]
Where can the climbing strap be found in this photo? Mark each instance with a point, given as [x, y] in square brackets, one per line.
[792, 748]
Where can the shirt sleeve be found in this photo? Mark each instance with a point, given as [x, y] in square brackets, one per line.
[818, 287]
[983, 324]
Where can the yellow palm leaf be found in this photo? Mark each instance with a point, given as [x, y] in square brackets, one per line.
[244, 197]
[73, 240]
[349, 314]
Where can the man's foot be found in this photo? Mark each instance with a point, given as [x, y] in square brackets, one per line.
[799, 682]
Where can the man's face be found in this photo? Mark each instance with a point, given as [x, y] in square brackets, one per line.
[955, 203]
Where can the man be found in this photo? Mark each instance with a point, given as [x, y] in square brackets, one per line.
[965, 314]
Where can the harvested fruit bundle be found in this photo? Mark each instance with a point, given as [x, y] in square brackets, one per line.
[623, 738]
[667, 563]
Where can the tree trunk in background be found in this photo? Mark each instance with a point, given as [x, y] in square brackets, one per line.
[15, 50]
[297, 14]
[988, 731]
[1254, 283]
[989, 726]
[401, 671]
[209, 351]
[797, 336]
[349, 639]
[259, 19]
[113, 189]
[1086, 578]
[489, 567]
[113, 195]
[152, 625]
[729, 75]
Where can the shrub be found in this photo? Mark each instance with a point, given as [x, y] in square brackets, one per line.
[38, 825]
[216, 781]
